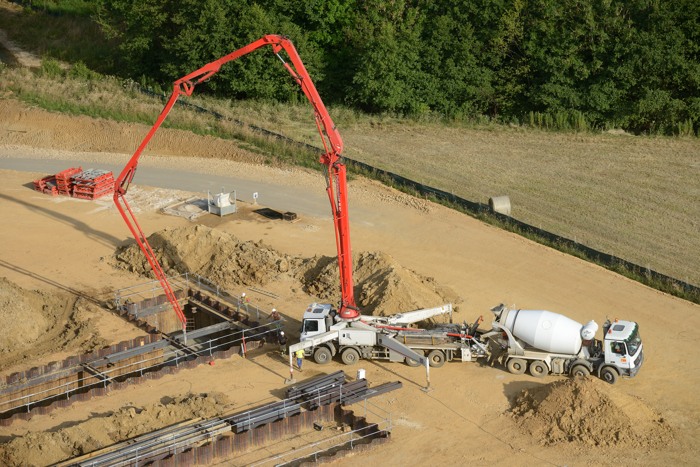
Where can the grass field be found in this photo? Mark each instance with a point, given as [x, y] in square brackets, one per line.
[635, 197]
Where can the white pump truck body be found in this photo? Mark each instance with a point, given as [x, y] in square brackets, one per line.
[323, 336]
[546, 342]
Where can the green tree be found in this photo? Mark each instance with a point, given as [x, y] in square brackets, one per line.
[166, 40]
[452, 55]
[387, 73]
[628, 63]
[667, 58]
[133, 25]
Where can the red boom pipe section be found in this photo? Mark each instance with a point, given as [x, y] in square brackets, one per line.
[336, 179]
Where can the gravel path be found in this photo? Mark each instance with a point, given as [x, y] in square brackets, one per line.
[284, 190]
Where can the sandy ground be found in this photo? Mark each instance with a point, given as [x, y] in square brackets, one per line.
[59, 245]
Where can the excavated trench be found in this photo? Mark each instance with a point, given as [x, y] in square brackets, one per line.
[217, 328]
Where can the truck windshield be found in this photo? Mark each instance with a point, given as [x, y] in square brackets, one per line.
[309, 325]
[634, 341]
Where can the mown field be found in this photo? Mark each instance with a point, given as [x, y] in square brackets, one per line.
[636, 197]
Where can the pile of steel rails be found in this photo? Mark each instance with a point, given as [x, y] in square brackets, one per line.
[199, 441]
[334, 388]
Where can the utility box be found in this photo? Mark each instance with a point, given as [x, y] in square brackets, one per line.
[222, 203]
[360, 337]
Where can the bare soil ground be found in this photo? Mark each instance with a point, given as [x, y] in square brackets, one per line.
[59, 251]
[44, 322]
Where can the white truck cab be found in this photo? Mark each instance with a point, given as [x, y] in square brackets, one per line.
[318, 318]
[622, 346]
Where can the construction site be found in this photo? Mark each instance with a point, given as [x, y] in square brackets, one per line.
[159, 342]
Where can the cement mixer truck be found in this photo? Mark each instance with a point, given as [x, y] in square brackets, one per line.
[545, 342]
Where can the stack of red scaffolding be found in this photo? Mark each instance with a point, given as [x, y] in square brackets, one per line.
[78, 183]
[46, 185]
[93, 184]
[64, 182]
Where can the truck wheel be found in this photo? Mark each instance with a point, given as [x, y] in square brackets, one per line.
[411, 362]
[436, 358]
[350, 356]
[580, 371]
[538, 369]
[609, 375]
[322, 355]
[517, 366]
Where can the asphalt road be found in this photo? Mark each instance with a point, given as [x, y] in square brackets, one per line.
[283, 199]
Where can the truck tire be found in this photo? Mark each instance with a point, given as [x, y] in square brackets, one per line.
[322, 355]
[436, 358]
[350, 356]
[580, 371]
[411, 362]
[517, 366]
[538, 368]
[608, 374]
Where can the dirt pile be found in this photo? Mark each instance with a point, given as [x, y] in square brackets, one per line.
[590, 412]
[382, 287]
[216, 255]
[45, 448]
[36, 322]
[26, 316]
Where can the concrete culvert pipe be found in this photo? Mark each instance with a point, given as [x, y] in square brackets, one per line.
[500, 204]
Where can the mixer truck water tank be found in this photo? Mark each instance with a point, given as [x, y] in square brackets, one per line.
[589, 330]
[546, 330]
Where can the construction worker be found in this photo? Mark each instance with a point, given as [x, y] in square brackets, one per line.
[300, 358]
[275, 315]
[243, 302]
[283, 343]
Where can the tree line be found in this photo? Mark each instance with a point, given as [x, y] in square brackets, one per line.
[631, 64]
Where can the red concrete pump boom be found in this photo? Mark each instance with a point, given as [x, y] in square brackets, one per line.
[336, 178]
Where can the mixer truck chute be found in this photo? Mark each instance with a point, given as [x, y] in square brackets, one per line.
[545, 342]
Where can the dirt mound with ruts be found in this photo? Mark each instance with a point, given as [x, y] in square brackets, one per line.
[216, 255]
[590, 412]
[33, 323]
[382, 287]
[49, 447]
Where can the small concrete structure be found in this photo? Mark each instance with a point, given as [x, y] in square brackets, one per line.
[222, 203]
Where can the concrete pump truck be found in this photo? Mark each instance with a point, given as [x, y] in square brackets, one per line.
[336, 187]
